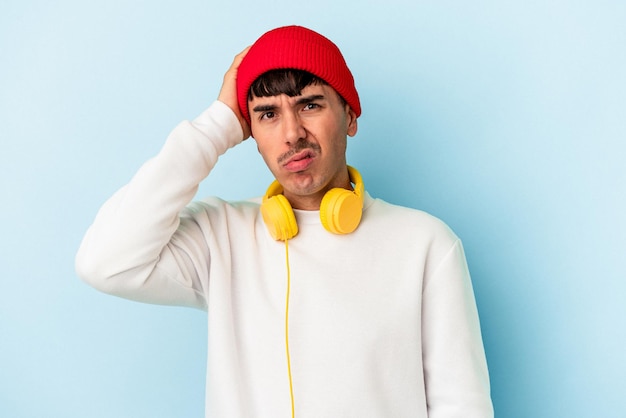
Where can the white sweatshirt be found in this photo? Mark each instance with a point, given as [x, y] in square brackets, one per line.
[383, 321]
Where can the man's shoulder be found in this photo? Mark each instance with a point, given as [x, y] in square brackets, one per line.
[383, 207]
[214, 205]
[406, 219]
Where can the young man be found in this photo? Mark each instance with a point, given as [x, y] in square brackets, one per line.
[373, 313]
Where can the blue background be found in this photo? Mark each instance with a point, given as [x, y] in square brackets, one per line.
[505, 119]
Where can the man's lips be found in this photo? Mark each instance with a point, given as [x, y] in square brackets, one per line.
[299, 161]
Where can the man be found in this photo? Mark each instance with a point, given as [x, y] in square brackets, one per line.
[321, 301]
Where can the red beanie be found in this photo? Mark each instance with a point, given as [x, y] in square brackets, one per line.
[296, 47]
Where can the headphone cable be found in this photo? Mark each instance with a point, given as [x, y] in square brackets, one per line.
[293, 413]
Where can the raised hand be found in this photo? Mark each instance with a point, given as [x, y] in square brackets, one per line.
[228, 92]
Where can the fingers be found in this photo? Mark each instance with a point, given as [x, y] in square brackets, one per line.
[238, 58]
[228, 92]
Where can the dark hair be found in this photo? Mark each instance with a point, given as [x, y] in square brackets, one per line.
[285, 81]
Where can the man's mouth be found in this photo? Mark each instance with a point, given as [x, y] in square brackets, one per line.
[299, 161]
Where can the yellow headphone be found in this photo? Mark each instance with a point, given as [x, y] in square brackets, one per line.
[340, 210]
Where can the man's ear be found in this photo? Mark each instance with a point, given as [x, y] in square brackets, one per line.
[352, 122]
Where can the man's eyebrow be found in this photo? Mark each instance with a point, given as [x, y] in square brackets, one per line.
[300, 101]
[263, 108]
[310, 99]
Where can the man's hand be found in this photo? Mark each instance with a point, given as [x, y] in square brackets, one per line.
[228, 93]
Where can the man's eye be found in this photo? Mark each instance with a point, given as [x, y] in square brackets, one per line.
[267, 115]
[310, 106]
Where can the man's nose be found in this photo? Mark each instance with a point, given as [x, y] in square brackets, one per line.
[293, 128]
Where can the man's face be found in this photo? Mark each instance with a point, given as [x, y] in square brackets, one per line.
[303, 141]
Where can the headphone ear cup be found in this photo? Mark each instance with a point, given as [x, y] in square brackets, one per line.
[341, 211]
[279, 217]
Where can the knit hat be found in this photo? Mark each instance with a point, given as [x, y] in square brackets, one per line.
[296, 47]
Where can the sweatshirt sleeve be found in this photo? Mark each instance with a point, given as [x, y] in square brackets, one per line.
[455, 368]
[132, 232]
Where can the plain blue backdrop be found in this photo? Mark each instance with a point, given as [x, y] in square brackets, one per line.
[505, 119]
